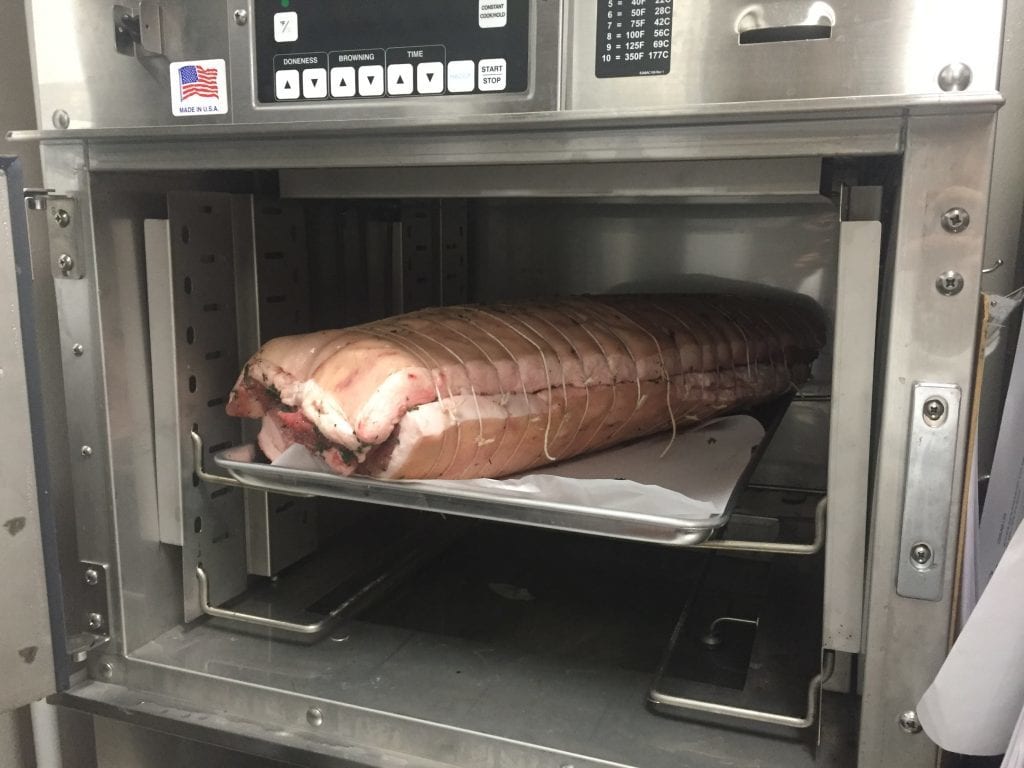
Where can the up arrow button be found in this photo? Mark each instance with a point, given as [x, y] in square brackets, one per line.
[399, 79]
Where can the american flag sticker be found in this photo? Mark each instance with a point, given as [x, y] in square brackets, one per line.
[199, 88]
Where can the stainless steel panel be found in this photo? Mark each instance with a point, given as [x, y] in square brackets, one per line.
[486, 700]
[876, 51]
[524, 247]
[928, 337]
[130, 745]
[735, 180]
[877, 47]
[849, 450]
[272, 295]
[26, 648]
[163, 343]
[929, 500]
[145, 573]
[195, 363]
[78, 70]
[610, 143]
[87, 453]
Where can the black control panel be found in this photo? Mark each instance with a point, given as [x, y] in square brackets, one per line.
[634, 38]
[334, 50]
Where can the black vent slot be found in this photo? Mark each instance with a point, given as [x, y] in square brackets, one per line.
[786, 34]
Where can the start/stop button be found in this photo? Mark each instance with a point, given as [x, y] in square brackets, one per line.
[491, 74]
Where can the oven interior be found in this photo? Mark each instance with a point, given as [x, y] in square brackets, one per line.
[528, 634]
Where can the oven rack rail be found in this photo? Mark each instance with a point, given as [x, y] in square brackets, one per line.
[660, 530]
[381, 582]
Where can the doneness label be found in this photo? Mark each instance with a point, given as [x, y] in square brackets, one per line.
[634, 38]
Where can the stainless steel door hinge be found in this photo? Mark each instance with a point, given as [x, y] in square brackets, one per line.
[91, 629]
[63, 227]
[138, 32]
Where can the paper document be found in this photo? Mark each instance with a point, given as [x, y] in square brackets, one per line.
[975, 701]
[1015, 752]
[1004, 502]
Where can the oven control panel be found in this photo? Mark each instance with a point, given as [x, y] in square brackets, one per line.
[311, 51]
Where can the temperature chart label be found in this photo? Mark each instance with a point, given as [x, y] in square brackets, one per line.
[634, 37]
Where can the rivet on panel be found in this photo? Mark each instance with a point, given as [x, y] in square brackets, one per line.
[315, 717]
[955, 77]
[106, 670]
[908, 722]
[87, 451]
[78, 350]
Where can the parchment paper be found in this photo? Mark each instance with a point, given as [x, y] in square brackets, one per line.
[693, 481]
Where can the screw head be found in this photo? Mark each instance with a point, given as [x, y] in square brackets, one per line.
[955, 77]
[61, 119]
[65, 263]
[956, 220]
[62, 217]
[78, 350]
[921, 554]
[95, 620]
[92, 577]
[241, 17]
[949, 283]
[106, 670]
[87, 451]
[315, 717]
[934, 409]
[908, 722]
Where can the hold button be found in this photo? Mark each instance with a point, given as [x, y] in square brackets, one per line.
[491, 75]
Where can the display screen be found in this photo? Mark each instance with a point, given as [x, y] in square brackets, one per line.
[324, 50]
[634, 38]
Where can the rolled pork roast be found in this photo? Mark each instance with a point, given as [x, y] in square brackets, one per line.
[487, 391]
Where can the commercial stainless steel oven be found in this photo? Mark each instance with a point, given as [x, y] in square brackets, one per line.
[217, 174]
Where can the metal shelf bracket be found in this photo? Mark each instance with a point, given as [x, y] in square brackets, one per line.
[778, 547]
[756, 715]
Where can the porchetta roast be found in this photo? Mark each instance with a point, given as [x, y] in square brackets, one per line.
[487, 391]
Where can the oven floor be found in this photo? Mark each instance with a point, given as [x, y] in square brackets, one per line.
[546, 639]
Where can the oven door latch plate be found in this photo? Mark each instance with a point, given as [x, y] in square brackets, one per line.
[929, 493]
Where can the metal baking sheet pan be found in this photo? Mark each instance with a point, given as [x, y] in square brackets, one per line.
[628, 492]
